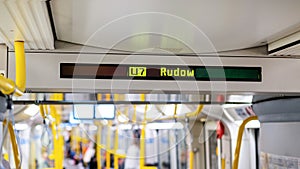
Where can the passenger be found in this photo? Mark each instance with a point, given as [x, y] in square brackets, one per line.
[165, 165]
[133, 153]
[36, 164]
[93, 163]
[89, 153]
[121, 163]
[183, 159]
[111, 162]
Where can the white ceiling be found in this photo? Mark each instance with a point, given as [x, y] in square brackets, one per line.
[174, 25]
[26, 20]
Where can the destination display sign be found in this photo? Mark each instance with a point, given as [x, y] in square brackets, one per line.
[160, 72]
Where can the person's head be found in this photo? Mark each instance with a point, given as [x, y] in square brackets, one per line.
[136, 136]
[136, 133]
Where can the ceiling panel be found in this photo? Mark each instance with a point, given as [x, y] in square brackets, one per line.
[26, 20]
[173, 25]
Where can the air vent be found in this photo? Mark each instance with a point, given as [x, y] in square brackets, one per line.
[288, 46]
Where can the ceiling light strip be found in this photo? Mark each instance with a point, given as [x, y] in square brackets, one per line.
[42, 17]
[14, 12]
[31, 22]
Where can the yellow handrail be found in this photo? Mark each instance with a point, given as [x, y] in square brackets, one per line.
[142, 139]
[13, 143]
[223, 163]
[142, 147]
[191, 114]
[191, 159]
[239, 141]
[58, 142]
[42, 112]
[20, 65]
[108, 138]
[8, 86]
[196, 113]
[98, 148]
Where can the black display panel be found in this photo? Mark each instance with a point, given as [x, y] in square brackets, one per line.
[160, 72]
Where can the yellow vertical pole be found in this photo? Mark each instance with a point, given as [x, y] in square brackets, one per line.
[56, 152]
[98, 148]
[99, 133]
[61, 148]
[20, 65]
[107, 97]
[126, 112]
[142, 148]
[223, 163]
[142, 139]
[42, 112]
[99, 97]
[13, 143]
[58, 142]
[134, 114]
[108, 139]
[191, 159]
[116, 147]
[116, 97]
[143, 97]
[116, 141]
[175, 111]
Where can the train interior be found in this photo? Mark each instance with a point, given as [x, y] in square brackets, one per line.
[149, 85]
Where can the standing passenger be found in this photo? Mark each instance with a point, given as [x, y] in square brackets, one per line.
[132, 160]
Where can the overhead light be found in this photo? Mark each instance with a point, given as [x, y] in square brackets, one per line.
[240, 98]
[122, 118]
[21, 126]
[105, 111]
[164, 126]
[32, 110]
[93, 127]
[84, 112]
[235, 105]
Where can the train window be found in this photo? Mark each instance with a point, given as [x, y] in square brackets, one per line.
[83, 112]
[105, 111]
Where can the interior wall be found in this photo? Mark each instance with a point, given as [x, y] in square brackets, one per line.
[280, 138]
